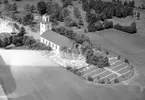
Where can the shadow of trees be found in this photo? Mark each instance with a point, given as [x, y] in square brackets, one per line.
[7, 80]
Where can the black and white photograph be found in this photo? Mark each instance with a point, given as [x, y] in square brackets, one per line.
[72, 49]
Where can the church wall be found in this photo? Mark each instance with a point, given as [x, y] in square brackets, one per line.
[51, 44]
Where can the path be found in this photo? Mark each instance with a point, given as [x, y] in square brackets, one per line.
[112, 71]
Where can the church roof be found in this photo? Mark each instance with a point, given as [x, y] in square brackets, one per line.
[57, 38]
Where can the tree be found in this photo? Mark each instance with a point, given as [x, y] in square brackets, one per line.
[27, 7]
[64, 13]
[113, 0]
[130, 4]
[11, 7]
[102, 62]
[5, 1]
[133, 26]
[138, 15]
[133, 3]
[98, 26]
[41, 7]
[66, 3]
[85, 5]
[15, 7]
[16, 26]
[17, 40]
[28, 40]
[49, 7]
[22, 31]
[28, 19]
[108, 24]
[33, 8]
[126, 60]
[8, 7]
[91, 18]
[125, 3]
[69, 22]
[86, 50]
[77, 13]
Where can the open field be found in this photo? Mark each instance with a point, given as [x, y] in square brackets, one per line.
[46, 81]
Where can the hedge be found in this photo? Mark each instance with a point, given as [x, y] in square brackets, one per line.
[129, 29]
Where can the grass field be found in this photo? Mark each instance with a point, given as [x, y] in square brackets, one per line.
[45, 82]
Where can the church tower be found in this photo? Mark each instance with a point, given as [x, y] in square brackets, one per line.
[45, 24]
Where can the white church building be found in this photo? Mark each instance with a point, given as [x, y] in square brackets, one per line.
[51, 38]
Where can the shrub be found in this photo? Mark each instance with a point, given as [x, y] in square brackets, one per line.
[98, 26]
[16, 26]
[126, 61]
[75, 71]
[95, 27]
[22, 31]
[28, 40]
[107, 52]
[118, 57]
[118, 26]
[79, 73]
[101, 81]
[116, 80]
[90, 78]
[91, 28]
[17, 40]
[5, 39]
[108, 24]
[39, 46]
[69, 68]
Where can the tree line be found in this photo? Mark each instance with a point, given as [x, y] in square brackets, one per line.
[107, 9]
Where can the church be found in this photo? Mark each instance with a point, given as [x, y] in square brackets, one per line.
[51, 38]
